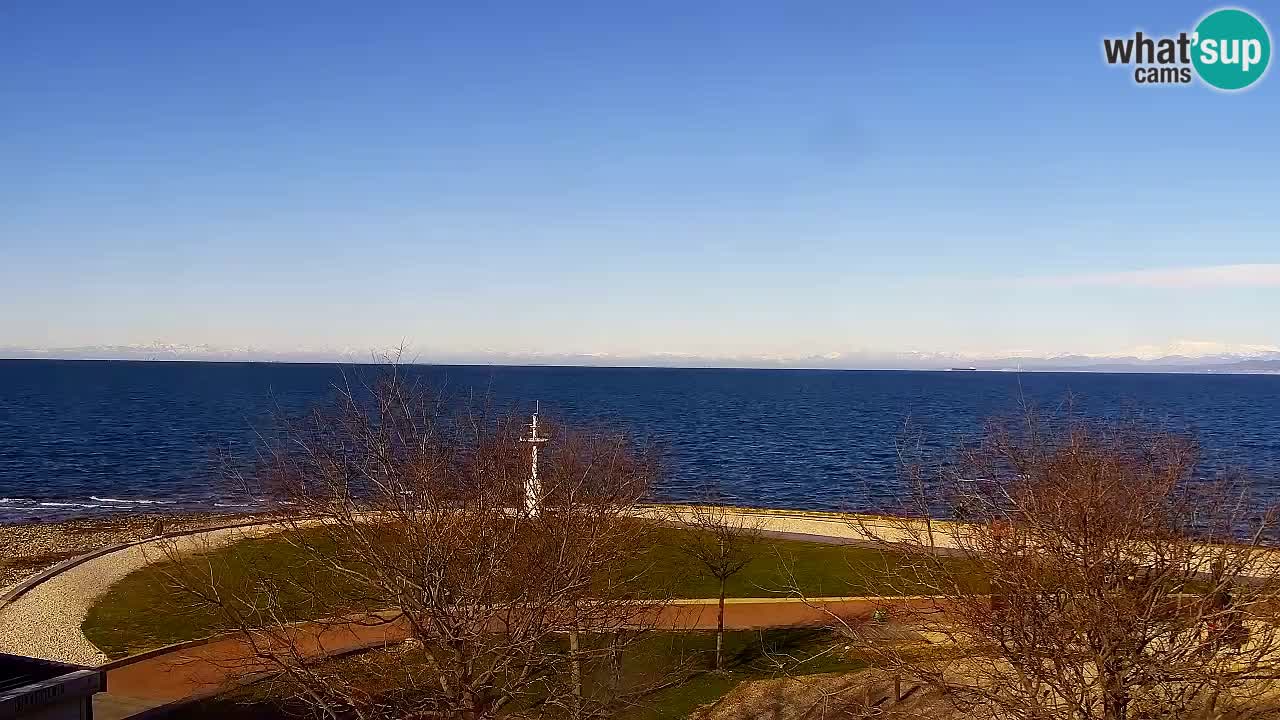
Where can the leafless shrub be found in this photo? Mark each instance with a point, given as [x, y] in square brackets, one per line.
[408, 513]
[1081, 571]
[723, 542]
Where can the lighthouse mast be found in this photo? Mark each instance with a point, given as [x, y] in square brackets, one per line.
[533, 486]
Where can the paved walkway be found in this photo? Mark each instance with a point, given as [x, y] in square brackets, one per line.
[821, 526]
[208, 668]
[45, 622]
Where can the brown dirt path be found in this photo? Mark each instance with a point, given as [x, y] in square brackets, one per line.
[204, 669]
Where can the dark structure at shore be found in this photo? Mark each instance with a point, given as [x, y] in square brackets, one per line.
[32, 689]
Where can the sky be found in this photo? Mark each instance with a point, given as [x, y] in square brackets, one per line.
[702, 180]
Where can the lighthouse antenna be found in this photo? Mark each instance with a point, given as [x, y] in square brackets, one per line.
[533, 486]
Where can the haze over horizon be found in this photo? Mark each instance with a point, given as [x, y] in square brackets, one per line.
[1189, 356]
[752, 182]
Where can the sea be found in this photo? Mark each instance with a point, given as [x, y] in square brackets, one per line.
[95, 438]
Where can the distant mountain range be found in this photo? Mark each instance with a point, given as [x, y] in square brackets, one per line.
[1171, 364]
[1253, 361]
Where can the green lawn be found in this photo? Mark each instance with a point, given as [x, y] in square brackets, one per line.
[145, 610]
[749, 656]
[819, 569]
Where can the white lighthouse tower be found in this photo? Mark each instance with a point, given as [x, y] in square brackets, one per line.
[533, 486]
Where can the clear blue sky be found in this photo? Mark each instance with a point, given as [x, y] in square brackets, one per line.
[732, 178]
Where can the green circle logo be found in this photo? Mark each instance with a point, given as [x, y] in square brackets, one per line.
[1231, 49]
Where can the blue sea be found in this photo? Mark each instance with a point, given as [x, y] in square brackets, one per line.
[86, 438]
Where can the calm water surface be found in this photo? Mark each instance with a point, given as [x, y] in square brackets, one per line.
[79, 438]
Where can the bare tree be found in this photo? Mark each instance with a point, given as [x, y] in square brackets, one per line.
[408, 512]
[723, 542]
[1083, 571]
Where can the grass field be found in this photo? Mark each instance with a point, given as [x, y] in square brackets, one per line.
[749, 656]
[145, 610]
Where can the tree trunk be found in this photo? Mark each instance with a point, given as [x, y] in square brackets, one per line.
[575, 675]
[1116, 706]
[615, 662]
[1115, 700]
[720, 630]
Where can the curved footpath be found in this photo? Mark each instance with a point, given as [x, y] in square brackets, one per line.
[44, 619]
[154, 682]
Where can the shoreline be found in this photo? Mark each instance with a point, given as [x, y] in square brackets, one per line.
[27, 548]
[36, 511]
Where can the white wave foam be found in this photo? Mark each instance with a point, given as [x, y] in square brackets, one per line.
[123, 501]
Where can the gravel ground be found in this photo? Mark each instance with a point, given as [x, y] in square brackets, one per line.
[46, 622]
[829, 695]
[28, 548]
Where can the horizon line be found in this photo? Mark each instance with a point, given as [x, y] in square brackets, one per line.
[1090, 370]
